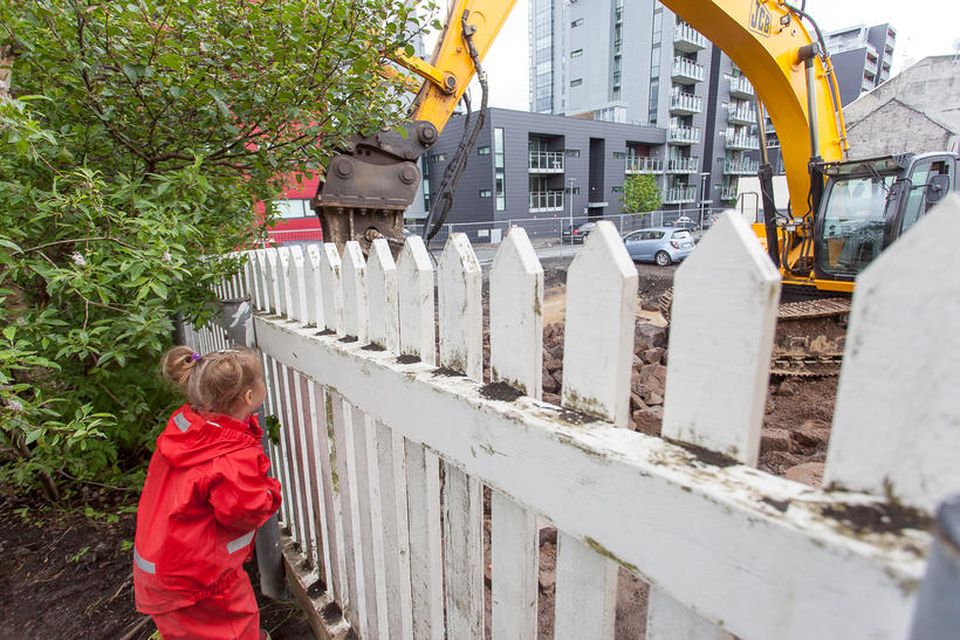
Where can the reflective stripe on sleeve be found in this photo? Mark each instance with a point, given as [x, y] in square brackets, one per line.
[145, 565]
[235, 545]
[181, 421]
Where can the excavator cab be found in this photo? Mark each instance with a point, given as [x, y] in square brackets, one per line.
[868, 204]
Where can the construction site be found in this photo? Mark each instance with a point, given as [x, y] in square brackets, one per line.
[570, 396]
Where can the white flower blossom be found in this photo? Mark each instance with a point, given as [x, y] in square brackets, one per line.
[79, 259]
[14, 405]
[167, 257]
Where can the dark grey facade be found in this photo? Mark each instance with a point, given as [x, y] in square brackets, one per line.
[862, 57]
[528, 165]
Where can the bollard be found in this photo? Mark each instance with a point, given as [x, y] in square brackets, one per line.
[236, 316]
[937, 615]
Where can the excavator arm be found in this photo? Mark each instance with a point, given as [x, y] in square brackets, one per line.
[369, 184]
[769, 42]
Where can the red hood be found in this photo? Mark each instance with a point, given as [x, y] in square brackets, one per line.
[192, 438]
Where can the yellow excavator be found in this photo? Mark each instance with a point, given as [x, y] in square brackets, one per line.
[842, 212]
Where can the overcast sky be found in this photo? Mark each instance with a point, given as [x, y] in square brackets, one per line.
[924, 28]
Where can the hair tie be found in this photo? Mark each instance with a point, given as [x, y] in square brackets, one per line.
[194, 357]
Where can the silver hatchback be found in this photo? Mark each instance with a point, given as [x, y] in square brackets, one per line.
[663, 245]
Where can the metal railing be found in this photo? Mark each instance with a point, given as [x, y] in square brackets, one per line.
[741, 86]
[546, 162]
[742, 141]
[678, 195]
[683, 68]
[686, 102]
[546, 201]
[638, 164]
[740, 167]
[688, 135]
[728, 194]
[683, 165]
[744, 114]
[688, 38]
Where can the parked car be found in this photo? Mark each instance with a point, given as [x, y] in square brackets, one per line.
[663, 245]
[579, 233]
[684, 222]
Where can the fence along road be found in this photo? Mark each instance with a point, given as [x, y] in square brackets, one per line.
[369, 421]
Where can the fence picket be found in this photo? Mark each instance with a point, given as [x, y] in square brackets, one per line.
[461, 351]
[384, 313]
[516, 356]
[396, 540]
[354, 292]
[331, 288]
[460, 311]
[318, 516]
[354, 607]
[250, 279]
[271, 282]
[416, 302]
[297, 449]
[331, 494]
[426, 563]
[311, 285]
[284, 295]
[298, 293]
[716, 389]
[895, 433]
[371, 527]
[598, 345]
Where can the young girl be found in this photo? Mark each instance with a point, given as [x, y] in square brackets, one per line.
[206, 493]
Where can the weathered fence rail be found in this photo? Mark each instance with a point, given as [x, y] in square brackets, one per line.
[388, 442]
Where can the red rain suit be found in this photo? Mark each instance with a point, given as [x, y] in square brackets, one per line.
[206, 493]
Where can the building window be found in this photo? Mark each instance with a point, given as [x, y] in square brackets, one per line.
[617, 189]
[499, 172]
[619, 155]
[572, 153]
[576, 53]
[576, 23]
[483, 150]
[576, 83]
[486, 193]
[426, 186]
[573, 190]
[293, 208]
[438, 157]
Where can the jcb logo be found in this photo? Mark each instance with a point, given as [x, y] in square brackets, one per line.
[760, 19]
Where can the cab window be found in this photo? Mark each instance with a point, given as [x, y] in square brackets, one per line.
[916, 204]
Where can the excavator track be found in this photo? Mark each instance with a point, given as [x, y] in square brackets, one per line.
[809, 337]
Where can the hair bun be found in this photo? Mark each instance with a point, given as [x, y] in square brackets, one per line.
[177, 364]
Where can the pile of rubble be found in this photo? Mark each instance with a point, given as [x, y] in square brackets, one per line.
[648, 381]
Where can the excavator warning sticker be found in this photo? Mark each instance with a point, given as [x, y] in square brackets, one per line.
[760, 18]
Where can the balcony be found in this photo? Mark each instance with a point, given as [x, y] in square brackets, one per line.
[635, 165]
[745, 113]
[742, 141]
[687, 71]
[680, 195]
[684, 135]
[546, 162]
[728, 193]
[740, 87]
[740, 167]
[687, 39]
[683, 165]
[685, 104]
[545, 201]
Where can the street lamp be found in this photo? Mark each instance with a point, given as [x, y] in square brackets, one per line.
[570, 198]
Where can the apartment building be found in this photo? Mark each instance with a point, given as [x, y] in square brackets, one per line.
[528, 165]
[862, 57]
[636, 63]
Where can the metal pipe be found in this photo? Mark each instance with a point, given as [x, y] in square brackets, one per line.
[236, 317]
[809, 53]
[937, 614]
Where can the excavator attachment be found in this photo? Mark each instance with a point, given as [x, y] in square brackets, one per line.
[370, 183]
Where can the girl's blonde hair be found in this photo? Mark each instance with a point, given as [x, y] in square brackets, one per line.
[213, 383]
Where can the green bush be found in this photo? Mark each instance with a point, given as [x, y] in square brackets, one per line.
[136, 141]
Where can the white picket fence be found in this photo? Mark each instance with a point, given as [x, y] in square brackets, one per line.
[384, 456]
